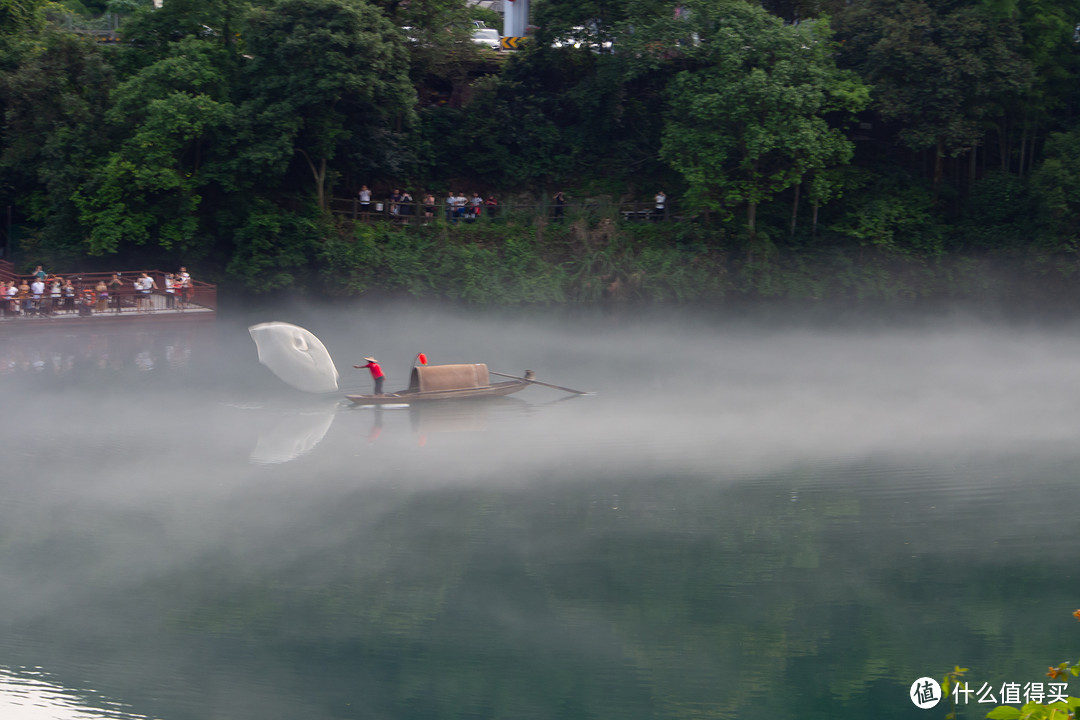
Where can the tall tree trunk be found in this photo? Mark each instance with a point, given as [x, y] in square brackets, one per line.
[320, 184]
[939, 166]
[795, 208]
[751, 220]
[319, 174]
[1023, 152]
[1006, 149]
[813, 221]
[1031, 152]
[973, 167]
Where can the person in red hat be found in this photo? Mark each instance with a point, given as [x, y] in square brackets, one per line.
[376, 373]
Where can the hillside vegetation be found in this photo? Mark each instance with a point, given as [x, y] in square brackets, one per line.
[879, 149]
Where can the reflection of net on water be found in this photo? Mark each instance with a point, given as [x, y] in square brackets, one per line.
[292, 434]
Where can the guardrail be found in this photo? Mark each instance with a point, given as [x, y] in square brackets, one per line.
[399, 212]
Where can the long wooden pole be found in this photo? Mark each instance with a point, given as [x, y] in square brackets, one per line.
[537, 382]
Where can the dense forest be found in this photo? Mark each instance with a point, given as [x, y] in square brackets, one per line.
[808, 148]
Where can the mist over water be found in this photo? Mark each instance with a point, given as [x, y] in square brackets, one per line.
[752, 513]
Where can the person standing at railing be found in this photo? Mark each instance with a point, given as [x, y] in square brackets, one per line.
[364, 196]
[170, 291]
[114, 286]
[22, 297]
[429, 205]
[37, 293]
[406, 206]
[660, 205]
[476, 203]
[102, 300]
[19, 297]
[144, 286]
[69, 296]
[186, 288]
[54, 294]
[560, 205]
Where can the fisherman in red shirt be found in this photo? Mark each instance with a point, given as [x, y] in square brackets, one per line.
[376, 373]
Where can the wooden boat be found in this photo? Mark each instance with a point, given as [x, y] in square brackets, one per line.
[446, 382]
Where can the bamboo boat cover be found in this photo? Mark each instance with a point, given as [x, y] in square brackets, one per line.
[432, 378]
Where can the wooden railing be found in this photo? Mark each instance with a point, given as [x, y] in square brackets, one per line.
[201, 296]
[385, 210]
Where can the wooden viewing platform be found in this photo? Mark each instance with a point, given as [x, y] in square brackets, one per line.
[86, 308]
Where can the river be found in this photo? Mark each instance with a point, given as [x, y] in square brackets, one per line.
[755, 516]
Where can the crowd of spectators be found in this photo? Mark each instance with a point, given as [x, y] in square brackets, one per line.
[44, 294]
[400, 205]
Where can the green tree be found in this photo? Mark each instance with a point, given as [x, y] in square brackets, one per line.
[941, 69]
[272, 248]
[19, 15]
[1057, 184]
[1048, 32]
[151, 187]
[747, 118]
[150, 32]
[55, 99]
[326, 78]
[591, 20]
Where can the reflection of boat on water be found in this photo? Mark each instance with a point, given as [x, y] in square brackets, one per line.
[447, 382]
[453, 417]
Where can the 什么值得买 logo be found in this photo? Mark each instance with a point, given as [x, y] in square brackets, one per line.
[925, 693]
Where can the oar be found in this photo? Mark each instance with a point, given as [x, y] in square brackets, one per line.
[537, 382]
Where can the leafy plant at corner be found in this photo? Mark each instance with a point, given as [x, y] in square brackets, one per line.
[952, 678]
[1066, 709]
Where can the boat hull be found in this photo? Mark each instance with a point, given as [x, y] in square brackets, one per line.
[408, 397]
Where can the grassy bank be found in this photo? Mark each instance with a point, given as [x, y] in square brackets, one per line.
[582, 262]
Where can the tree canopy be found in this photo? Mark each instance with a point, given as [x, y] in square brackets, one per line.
[222, 129]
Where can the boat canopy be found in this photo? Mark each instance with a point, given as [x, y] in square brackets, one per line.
[431, 378]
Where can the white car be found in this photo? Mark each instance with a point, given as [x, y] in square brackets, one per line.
[488, 37]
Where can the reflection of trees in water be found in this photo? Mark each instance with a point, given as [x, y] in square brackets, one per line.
[60, 354]
[648, 597]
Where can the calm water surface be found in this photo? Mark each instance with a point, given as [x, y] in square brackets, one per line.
[751, 519]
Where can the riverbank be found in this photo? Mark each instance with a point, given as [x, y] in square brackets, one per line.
[491, 264]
